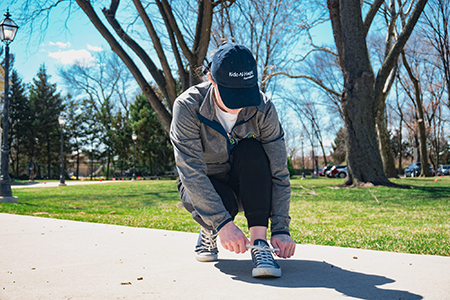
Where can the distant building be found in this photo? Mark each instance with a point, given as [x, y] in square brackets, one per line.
[85, 166]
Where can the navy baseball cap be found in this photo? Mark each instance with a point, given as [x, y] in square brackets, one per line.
[233, 69]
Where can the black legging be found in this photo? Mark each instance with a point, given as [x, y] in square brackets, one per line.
[249, 187]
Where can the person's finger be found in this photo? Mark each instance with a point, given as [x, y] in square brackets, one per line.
[284, 249]
[234, 247]
[290, 250]
[293, 247]
[242, 244]
[275, 244]
[224, 244]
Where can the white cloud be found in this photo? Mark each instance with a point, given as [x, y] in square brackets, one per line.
[94, 48]
[60, 44]
[71, 56]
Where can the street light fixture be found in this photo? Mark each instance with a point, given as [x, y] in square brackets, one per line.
[134, 137]
[62, 121]
[8, 31]
[303, 158]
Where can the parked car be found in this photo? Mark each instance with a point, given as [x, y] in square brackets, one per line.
[325, 170]
[342, 172]
[443, 170]
[414, 169]
[338, 171]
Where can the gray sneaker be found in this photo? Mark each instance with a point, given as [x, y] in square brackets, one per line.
[264, 265]
[206, 249]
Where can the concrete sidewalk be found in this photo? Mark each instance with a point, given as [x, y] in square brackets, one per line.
[44, 258]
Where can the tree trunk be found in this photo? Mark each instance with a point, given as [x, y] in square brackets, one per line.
[363, 92]
[17, 162]
[423, 147]
[358, 101]
[325, 162]
[400, 155]
[107, 165]
[78, 163]
[363, 156]
[48, 158]
[421, 121]
[384, 142]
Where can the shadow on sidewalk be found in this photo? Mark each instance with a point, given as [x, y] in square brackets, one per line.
[315, 274]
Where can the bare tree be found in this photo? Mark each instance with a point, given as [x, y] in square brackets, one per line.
[364, 94]
[104, 86]
[424, 85]
[187, 53]
[309, 116]
[416, 97]
[437, 19]
[363, 91]
[433, 87]
[399, 109]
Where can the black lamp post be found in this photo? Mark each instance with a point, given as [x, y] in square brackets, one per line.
[134, 137]
[8, 31]
[303, 158]
[62, 121]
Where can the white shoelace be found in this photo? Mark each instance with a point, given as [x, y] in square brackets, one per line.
[263, 248]
[262, 257]
[209, 240]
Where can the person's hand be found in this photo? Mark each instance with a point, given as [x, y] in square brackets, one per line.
[285, 243]
[233, 239]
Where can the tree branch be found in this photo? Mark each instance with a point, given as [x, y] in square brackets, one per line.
[148, 62]
[372, 13]
[392, 57]
[334, 9]
[184, 75]
[202, 31]
[170, 81]
[167, 10]
[156, 104]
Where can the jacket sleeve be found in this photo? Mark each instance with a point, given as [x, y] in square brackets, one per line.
[272, 139]
[185, 137]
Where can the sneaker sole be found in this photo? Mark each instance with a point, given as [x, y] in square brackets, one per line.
[206, 258]
[266, 272]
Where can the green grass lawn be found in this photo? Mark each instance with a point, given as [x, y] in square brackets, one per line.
[414, 219]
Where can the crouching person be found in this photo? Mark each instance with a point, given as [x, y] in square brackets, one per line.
[231, 157]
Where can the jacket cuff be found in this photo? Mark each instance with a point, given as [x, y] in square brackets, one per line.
[224, 223]
[281, 232]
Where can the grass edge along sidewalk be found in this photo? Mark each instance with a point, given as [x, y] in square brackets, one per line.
[408, 220]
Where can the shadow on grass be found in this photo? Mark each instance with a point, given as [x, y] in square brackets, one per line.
[437, 192]
[314, 274]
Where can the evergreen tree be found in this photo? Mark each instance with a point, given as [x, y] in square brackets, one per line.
[121, 141]
[92, 135]
[339, 148]
[46, 104]
[20, 125]
[75, 130]
[154, 152]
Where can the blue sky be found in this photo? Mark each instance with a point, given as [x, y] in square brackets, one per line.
[57, 47]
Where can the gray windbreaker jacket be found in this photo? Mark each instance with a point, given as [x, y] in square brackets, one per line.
[203, 148]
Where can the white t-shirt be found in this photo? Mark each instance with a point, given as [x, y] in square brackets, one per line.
[226, 119]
